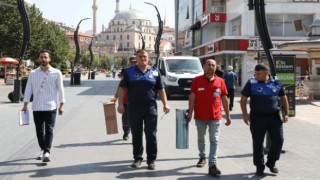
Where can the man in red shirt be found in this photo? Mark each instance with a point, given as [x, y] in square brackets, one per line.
[207, 93]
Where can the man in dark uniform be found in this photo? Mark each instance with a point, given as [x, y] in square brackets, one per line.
[264, 92]
[143, 83]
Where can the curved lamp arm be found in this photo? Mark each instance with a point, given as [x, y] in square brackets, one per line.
[160, 28]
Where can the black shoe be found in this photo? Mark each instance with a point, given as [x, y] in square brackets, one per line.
[125, 137]
[136, 163]
[214, 171]
[260, 170]
[273, 168]
[151, 166]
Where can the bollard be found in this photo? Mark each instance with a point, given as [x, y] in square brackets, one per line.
[182, 129]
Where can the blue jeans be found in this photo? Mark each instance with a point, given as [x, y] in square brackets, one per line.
[214, 129]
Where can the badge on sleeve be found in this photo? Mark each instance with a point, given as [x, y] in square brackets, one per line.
[155, 73]
[259, 89]
[136, 75]
[274, 89]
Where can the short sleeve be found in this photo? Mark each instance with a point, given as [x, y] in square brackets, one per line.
[282, 91]
[193, 86]
[247, 89]
[125, 79]
[223, 88]
[159, 83]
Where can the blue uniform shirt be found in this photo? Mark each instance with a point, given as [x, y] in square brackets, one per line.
[263, 96]
[142, 87]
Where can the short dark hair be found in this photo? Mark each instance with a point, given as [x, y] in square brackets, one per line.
[142, 51]
[261, 67]
[45, 51]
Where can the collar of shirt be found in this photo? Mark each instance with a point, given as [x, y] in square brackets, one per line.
[148, 69]
[49, 70]
[205, 77]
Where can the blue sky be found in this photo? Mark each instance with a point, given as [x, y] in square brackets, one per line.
[71, 12]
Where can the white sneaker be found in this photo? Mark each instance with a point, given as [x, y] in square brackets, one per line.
[40, 156]
[46, 157]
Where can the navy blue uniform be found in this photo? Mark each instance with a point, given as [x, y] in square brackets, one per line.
[264, 117]
[142, 108]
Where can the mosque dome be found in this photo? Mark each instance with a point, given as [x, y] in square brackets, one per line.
[129, 14]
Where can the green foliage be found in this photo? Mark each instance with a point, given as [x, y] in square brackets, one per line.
[43, 35]
[124, 62]
[54, 65]
[63, 66]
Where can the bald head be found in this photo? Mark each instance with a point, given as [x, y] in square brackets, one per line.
[209, 67]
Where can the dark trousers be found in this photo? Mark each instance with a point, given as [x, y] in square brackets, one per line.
[231, 97]
[125, 120]
[139, 115]
[260, 123]
[44, 122]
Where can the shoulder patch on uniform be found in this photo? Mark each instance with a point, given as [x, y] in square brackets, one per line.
[252, 81]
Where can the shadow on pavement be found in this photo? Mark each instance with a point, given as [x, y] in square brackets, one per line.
[117, 142]
[238, 156]
[120, 167]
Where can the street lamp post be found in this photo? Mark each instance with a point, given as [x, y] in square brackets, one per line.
[26, 38]
[160, 28]
[25, 41]
[76, 41]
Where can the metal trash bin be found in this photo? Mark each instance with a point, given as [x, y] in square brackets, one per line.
[93, 74]
[77, 78]
[182, 129]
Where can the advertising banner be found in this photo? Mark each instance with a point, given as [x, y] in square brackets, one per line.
[285, 70]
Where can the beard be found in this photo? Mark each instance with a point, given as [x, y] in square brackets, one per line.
[43, 63]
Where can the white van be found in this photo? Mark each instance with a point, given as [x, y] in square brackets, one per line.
[178, 72]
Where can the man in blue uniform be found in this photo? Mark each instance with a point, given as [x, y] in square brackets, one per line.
[264, 92]
[143, 83]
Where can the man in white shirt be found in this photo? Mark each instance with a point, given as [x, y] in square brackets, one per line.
[44, 83]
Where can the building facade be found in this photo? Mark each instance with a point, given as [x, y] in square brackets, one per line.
[226, 31]
[125, 32]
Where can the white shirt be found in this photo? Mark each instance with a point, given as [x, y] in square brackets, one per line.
[44, 86]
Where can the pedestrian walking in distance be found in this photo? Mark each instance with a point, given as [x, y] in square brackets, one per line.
[231, 80]
[264, 92]
[143, 83]
[207, 93]
[46, 85]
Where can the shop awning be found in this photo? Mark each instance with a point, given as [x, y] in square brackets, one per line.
[9, 61]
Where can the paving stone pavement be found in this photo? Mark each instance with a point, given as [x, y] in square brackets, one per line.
[82, 150]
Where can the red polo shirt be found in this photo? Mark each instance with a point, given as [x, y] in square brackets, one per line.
[208, 97]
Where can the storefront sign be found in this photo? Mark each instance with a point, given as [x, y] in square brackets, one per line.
[205, 21]
[285, 69]
[218, 17]
[255, 44]
[210, 48]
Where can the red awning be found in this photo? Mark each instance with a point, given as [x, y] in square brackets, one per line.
[9, 61]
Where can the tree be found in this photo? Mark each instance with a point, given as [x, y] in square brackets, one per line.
[47, 36]
[124, 62]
